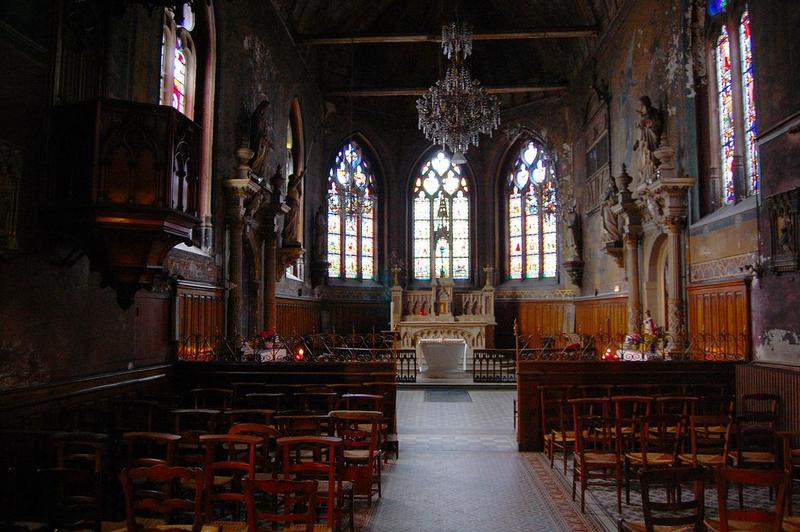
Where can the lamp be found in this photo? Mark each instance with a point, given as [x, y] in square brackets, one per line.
[455, 110]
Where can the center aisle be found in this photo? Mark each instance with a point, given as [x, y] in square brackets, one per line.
[459, 469]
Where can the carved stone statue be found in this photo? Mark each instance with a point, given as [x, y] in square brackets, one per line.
[572, 235]
[321, 233]
[291, 225]
[260, 139]
[611, 232]
[649, 127]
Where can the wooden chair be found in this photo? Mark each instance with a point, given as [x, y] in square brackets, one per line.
[229, 459]
[596, 454]
[305, 424]
[588, 391]
[319, 458]
[756, 444]
[660, 438]
[73, 498]
[714, 399]
[628, 412]
[556, 422]
[749, 518]
[248, 415]
[145, 449]
[791, 463]
[80, 450]
[190, 424]
[709, 446]
[163, 504]
[669, 512]
[216, 398]
[275, 401]
[267, 458]
[297, 498]
[360, 449]
[758, 403]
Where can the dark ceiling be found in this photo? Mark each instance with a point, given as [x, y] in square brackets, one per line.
[518, 62]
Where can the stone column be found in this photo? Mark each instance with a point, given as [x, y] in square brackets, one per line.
[671, 192]
[237, 191]
[270, 283]
[631, 241]
[632, 230]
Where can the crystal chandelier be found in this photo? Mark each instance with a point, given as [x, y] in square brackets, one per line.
[457, 109]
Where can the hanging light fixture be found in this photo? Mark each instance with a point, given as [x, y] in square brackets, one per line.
[455, 110]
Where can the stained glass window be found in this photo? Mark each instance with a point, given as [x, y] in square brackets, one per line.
[748, 105]
[179, 78]
[351, 215]
[726, 123]
[440, 209]
[532, 236]
[717, 6]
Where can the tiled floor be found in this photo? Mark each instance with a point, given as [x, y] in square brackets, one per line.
[459, 470]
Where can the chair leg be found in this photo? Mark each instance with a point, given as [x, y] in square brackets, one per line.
[619, 490]
[583, 492]
[574, 475]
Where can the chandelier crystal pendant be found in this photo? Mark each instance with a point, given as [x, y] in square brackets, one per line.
[455, 110]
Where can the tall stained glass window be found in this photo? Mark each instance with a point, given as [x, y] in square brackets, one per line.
[179, 78]
[441, 220]
[351, 215]
[178, 62]
[725, 108]
[748, 105]
[532, 236]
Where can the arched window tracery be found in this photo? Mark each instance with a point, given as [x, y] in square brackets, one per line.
[532, 214]
[440, 220]
[351, 202]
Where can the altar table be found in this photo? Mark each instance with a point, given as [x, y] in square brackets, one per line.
[443, 356]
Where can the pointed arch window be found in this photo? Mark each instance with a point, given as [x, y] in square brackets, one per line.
[178, 62]
[735, 103]
[351, 204]
[532, 233]
[441, 215]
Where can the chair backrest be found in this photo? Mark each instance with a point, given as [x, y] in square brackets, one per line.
[276, 401]
[684, 405]
[595, 434]
[302, 424]
[753, 403]
[589, 391]
[710, 435]
[147, 449]
[267, 456]
[590, 406]
[73, 498]
[769, 518]
[190, 424]
[756, 432]
[714, 399]
[675, 512]
[553, 408]
[164, 496]
[80, 450]
[297, 498]
[241, 389]
[314, 457]
[660, 433]
[224, 456]
[136, 415]
[363, 401]
[322, 402]
[219, 398]
[248, 415]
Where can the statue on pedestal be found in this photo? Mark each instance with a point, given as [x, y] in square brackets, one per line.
[260, 139]
[611, 231]
[649, 128]
[291, 225]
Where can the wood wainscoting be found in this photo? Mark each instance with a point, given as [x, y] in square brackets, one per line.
[345, 316]
[719, 319]
[297, 316]
[603, 317]
[760, 377]
[199, 310]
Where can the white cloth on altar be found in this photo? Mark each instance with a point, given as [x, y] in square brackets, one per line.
[443, 355]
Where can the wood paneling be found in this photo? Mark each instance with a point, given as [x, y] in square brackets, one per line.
[359, 316]
[297, 316]
[605, 319]
[199, 311]
[719, 318]
[772, 378]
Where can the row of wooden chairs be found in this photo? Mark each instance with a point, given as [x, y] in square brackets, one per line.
[664, 508]
[247, 452]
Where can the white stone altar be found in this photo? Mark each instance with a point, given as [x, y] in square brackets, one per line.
[441, 312]
[443, 357]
